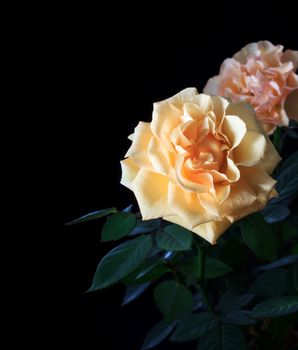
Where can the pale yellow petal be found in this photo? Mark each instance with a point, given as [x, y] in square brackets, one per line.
[241, 196]
[159, 156]
[139, 148]
[220, 105]
[246, 113]
[204, 101]
[258, 179]
[234, 128]
[187, 206]
[222, 192]
[211, 231]
[250, 150]
[271, 157]
[193, 111]
[232, 172]
[129, 172]
[151, 191]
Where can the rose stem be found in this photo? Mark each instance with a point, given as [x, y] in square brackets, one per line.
[202, 290]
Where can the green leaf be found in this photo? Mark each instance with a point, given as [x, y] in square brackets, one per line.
[194, 327]
[269, 284]
[295, 249]
[173, 299]
[224, 338]
[288, 162]
[145, 226]
[157, 334]
[276, 307]
[288, 231]
[216, 268]
[174, 238]
[92, 216]
[120, 261]
[150, 270]
[213, 267]
[133, 292]
[275, 212]
[295, 276]
[118, 226]
[287, 260]
[239, 318]
[259, 237]
[230, 301]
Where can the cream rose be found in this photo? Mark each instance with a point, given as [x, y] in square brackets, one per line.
[201, 163]
[264, 76]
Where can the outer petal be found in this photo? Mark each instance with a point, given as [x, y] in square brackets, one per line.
[251, 149]
[234, 128]
[246, 113]
[159, 157]
[271, 157]
[211, 231]
[291, 55]
[241, 196]
[212, 86]
[138, 149]
[187, 206]
[129, 172]
[260, 181]
[151, 191]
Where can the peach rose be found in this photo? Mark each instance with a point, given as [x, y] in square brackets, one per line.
[201, 163]
[264, 76]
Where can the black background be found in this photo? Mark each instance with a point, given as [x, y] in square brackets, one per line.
[112, 65]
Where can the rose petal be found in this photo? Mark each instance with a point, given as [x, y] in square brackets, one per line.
[234, 128]
[151, 191]
[212, 86]
[251, 149]
[187, 206]
[158, 156]
[138, 149]
[244, 111]
[291, 55]
[211, 231]
[129, 172]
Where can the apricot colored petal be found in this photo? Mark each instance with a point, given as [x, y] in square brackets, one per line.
[220, 105]
[271, 157]
[246, 113]
[234, 128]
[187, 206]
[158, 156]
[232, 172]
[258, 179]
[138, 149]
[129, 172]
[251, 149]
[211, 231]
[222, 192]
[242, 195]
[151, 191]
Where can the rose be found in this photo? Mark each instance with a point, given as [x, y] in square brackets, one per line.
[264, 76]
[201, 163]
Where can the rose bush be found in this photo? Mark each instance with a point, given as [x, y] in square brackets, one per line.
[201, 163]
[264, 76]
